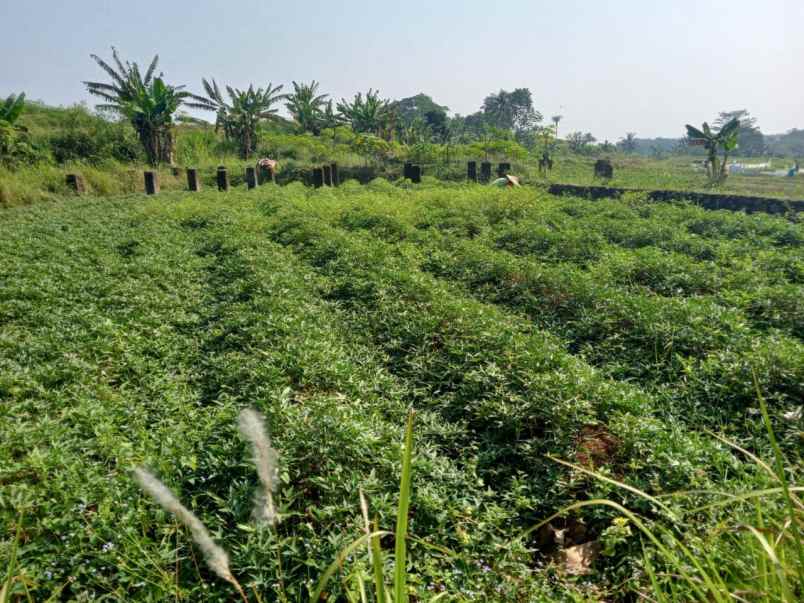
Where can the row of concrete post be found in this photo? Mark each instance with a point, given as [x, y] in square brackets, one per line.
[255, 176]
[485, 171]
[326, 175]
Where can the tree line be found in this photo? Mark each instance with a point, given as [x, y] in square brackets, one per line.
[507, 121]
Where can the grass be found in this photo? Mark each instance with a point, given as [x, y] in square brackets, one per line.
[614, 336]
[673, 173]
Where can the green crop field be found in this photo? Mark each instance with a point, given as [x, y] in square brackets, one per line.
[641, 363]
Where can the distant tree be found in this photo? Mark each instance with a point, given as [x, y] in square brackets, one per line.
[580, 142]
[307, 108]
[474, 125]
[750, 139]
[438, 121]
[713, 141]
[416, 132]
[511, 110]
[240, 117]
[146, 101]
[606, 146]
[556, 119]
[547, 145]
[365, 115]
[628, 144]
[408, 109]
[329, 118]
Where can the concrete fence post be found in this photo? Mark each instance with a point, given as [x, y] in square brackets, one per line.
[471, 171]
[193, 183]
[251, 178]
[151, 183]
[76, 182]
[485, 171]
[223, 179]
[318, 177]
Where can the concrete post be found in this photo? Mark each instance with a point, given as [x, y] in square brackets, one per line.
[485, 171]
[251, 177]
[471, 171]
[151, 183]
[223, 179]
[76, 182]
[318, 177]
[193, 183]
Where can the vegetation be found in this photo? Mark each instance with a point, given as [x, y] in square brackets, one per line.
[239, 119]
[370, 115]
[310, 111]
[146, 101]
[713, 141]
[14, 144]
[607, 396]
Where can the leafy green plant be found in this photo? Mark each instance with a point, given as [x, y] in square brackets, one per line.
[11, 109]
[239, 118]
[369, 115]
[713, 141]
[144, 100]
[15, 145]
[310, 111]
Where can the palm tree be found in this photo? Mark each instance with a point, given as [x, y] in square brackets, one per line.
[240, 118]
[500, 109]
[307, 107]
[629, 143]
[146, 101]
[725, 138]
[556, 119]
[369, 115]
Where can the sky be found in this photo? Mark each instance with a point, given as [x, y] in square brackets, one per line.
[609, 67]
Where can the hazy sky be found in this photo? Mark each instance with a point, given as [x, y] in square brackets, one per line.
[609, 67]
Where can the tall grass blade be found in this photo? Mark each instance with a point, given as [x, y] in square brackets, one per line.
[12, 564]
[374, 552]
[619, 484]
[777, 453]
[400, 552]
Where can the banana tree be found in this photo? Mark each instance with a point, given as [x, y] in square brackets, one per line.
[240, 118]
[13, 142]
[11, 109]
[145, 100]
[150, 110]
[712, 141]
[308, 108]
[367, 115]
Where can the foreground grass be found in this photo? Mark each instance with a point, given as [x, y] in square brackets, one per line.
[135, 330]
